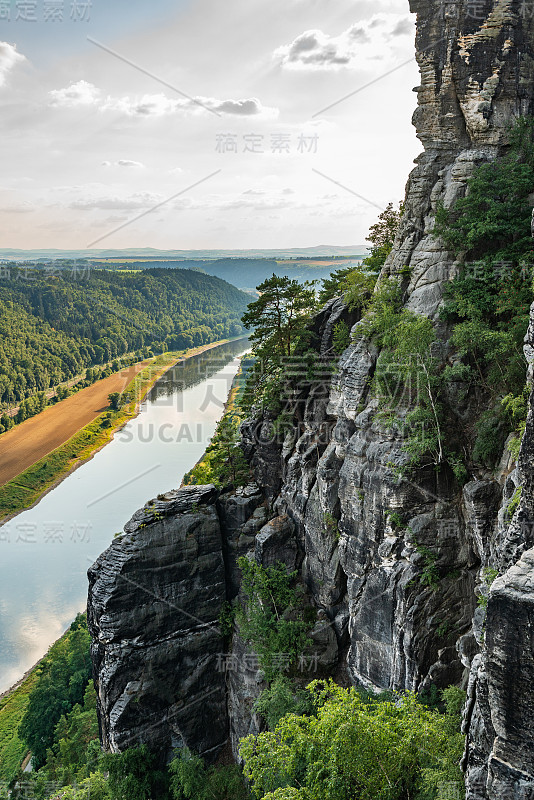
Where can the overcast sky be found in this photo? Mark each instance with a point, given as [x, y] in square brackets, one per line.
[90, 140]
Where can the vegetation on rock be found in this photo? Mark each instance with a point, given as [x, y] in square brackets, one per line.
[272, 617]
[279, 322]
[357, 746]
[223, 463]
[488, 303]
[357, 284]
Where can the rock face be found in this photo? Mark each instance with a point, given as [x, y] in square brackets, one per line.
[372, 541]
[154, 600]
[164, 674]
[509, 663]
[395, 566]
[476, 64]
[499, 716]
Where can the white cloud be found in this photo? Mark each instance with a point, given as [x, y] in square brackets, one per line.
[155, 105]
[137, 201]
[149, 105]
[123, 162]
[244, 108]
[23, 207]
[158, 105]
[365, 42]
[9, 57]
[127, 117]
[81, 93]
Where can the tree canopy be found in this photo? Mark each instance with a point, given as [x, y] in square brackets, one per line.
[54, 327]
[357, 747]
[279, 321]
[356, 284]
[65, 673]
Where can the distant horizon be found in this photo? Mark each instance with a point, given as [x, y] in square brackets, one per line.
[323, 251]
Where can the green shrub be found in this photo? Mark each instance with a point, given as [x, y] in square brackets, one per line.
[514, 503]
[331, 525]
[191, 779]
[489, 574]
[407, 381]
[394, 519]
[429, 574]
[272, 618]
[282, 698]
[341, 337]
[358, 288]
[227, 619]
[95, 787]
[355, 748]
[223, 463]
[135, 773]
[491, 433]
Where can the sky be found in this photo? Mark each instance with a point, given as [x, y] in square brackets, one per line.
[202, 123]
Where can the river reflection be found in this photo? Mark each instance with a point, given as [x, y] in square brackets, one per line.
[45, 552]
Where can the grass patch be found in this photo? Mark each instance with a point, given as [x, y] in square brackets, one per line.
[13, 751]
[12, 709]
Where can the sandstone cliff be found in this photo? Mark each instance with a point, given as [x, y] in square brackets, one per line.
[156, 593]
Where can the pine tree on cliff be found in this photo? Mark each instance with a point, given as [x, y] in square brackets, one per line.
[279, 319]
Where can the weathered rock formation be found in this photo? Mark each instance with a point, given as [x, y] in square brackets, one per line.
[363, 538]
[154, 600]
[499, 715]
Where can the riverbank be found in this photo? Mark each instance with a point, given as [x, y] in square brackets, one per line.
[13, 705]
[202, 472]
[14, 753]
[29, 486]
[72, 383]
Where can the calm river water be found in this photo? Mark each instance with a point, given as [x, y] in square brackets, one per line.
[45, 552]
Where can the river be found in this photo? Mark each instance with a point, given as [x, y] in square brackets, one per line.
[45, 552]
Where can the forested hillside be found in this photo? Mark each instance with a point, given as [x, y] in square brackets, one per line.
[53, 327]
[247, 273]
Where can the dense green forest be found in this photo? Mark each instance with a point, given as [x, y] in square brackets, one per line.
[53, 327]
[246, 273]
[243, 272]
